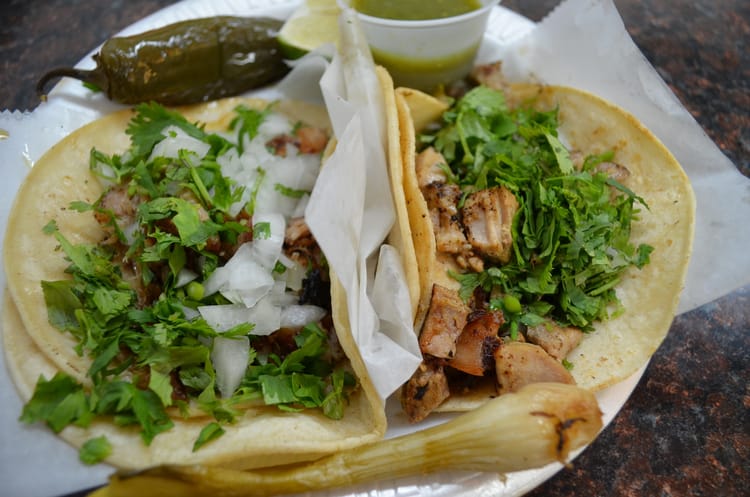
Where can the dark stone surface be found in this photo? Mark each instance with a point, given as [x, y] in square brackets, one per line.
[685, 431]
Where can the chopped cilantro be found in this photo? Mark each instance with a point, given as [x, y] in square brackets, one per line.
[246, 124]
[570, 234]
[127, 304]
[290, 192]
[95, 450]
[262, 231]
[210, 432]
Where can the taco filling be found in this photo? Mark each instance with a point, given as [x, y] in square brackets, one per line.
[204, 293]
[527, 239]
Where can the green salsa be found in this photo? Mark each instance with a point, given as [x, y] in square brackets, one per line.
[415, 10]
[426, 74]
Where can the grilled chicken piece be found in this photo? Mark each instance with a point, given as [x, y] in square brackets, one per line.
[425, 390]
[556, 340]
[300, 245]
[117, 202]
[488, 218]
[475, 347]
[427, 168]
[296, 230]
[442, 199]
[518, 364]
[311, 140]
[615, 171]
[490, 75]
[443, 324]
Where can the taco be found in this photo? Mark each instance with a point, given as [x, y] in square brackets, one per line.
[552, 232]
[167, 303]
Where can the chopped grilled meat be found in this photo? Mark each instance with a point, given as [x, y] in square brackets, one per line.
[490, 75]
[427, 167]
[475, 347]
[316, 289]
[277, 144]
[307, 139]
[443, 324]
[425, 390]
[116, 203]
[334, 352]
[296, 230]
[613, 170]
[518, 364]
[468, 260]
[442, 199]
[556, 340]
[488, 218]
[300, 245]
[311, 140]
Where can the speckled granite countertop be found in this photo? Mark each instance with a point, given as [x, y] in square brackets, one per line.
[685, 431]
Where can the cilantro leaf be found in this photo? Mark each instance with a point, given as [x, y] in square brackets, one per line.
[210, 432]
[95, 450]
[146, 128]
[246, 124]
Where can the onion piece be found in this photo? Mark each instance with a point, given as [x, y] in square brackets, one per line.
[265, 315]
[229, 357]
[184, 277]
[297, 316]
[294, 275]
[175, 140]
[266, 251]
[242, 280]
[540, 424]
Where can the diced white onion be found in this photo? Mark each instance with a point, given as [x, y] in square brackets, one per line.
[229, 357]
[266, 251]
[294, 274]
[242, 280]
[265, 315]
[129, 232]
[175, 140]
[295, 172]
[190, 313]
[184, 277]
[274, 124]
[297, 316]
[299, 211]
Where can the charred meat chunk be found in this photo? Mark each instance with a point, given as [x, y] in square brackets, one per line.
[443, 324]
[442, 200]
[475, 347]
[518, 364]
[556, 340]
[488, 219]
[428, 168]
[425, 390]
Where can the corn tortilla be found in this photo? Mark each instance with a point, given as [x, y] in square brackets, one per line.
[261, 436]
[621, 345]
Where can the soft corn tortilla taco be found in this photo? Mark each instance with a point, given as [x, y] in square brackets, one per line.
[259, 434]
[616, 345]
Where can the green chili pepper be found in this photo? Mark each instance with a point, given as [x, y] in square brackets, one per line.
[185, 62]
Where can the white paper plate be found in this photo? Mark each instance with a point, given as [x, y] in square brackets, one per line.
[33, 462]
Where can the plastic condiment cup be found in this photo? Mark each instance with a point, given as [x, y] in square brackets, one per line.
[426, 53]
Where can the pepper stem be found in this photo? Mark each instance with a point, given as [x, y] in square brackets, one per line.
[84, 75]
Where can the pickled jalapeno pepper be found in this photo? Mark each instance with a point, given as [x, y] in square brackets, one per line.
[185, 62]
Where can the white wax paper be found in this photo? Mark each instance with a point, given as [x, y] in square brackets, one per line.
[351, 208]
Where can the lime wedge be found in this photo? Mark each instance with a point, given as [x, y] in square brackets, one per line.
[313, 23]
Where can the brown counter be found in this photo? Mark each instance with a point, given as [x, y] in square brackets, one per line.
[685, 431]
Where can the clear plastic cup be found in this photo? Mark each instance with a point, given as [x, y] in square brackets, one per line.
[425, 54]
